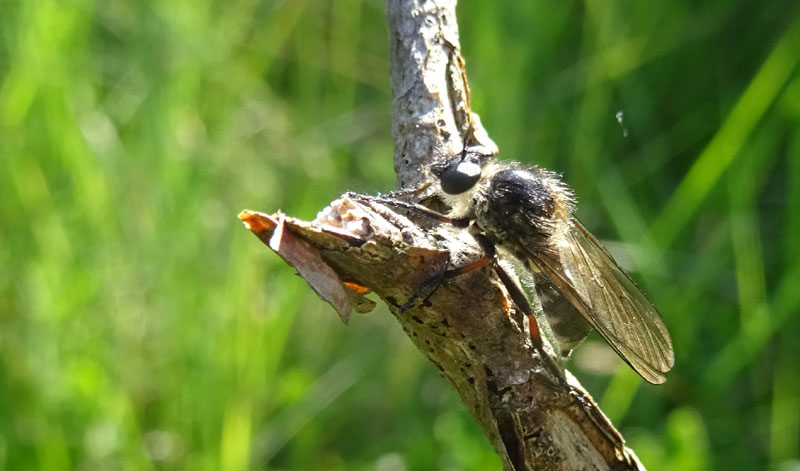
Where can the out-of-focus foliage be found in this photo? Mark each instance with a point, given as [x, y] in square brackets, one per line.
[141, 327]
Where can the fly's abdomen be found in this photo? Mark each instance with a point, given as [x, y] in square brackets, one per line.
[567, 324]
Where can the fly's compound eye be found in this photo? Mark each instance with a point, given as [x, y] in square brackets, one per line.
[459, 177]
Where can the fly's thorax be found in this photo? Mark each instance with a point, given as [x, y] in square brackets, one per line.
[521, 207]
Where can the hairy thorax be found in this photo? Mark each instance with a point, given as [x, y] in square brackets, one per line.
[521, 208]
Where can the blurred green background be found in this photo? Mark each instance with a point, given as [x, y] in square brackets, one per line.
[142, 327]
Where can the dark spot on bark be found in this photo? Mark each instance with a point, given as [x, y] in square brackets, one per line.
[417, 320]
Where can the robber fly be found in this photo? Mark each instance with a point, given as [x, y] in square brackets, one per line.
[529, 212]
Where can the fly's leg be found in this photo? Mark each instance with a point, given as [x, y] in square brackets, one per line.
[411, 207]
[406, 192]
[521, 301]
[429, 288]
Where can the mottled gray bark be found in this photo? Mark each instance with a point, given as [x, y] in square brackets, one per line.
[430, 105]
[465, 327]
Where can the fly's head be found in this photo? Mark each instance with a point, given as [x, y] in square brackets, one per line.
[460, 176]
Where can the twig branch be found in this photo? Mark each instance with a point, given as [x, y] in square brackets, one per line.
[431, 114]
[465, 328]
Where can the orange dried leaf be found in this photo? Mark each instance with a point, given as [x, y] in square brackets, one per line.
[304, 258]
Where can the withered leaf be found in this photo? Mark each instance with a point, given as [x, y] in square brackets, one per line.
[305, 259]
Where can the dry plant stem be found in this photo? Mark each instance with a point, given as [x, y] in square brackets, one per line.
[466, 327]
[430, 105]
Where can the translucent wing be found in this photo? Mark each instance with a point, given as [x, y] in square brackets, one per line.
[610, 301]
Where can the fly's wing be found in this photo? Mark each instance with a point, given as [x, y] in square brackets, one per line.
[606, 296]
